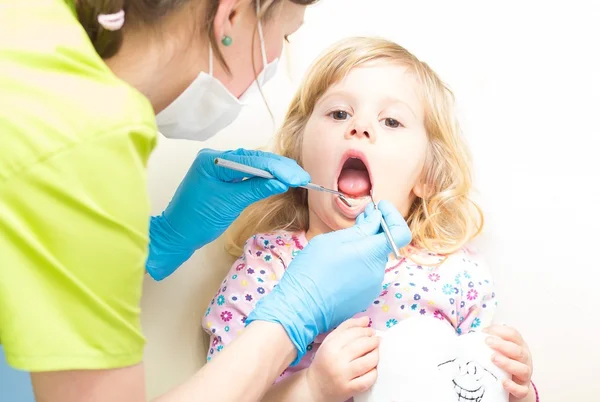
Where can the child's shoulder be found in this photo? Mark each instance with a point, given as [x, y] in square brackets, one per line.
[466, 260]
[276, 241]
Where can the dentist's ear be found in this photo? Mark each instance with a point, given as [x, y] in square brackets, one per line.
[224, 18]
[221, 17]
[227, 14]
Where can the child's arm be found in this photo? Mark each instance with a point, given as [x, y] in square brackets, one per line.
[476, 299]
[344, 366]
[476, 312]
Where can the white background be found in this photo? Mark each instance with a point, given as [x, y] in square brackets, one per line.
[527, 79]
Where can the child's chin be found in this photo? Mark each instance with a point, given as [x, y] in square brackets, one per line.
[343, 223]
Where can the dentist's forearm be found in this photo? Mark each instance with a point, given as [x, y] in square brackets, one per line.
[243, 371]
[293, 389]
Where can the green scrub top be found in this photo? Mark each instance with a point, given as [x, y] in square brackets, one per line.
[74, 209]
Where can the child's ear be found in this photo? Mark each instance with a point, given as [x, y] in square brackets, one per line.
[422, 190]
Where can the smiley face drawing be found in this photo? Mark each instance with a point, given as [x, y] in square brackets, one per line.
[469, 378]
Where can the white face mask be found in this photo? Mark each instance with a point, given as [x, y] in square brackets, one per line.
[206, 106]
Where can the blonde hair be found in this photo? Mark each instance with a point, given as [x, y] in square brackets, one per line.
[444, 220]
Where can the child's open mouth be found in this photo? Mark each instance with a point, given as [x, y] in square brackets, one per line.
[354, 181]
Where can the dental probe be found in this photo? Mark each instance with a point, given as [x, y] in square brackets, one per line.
[386, 231]
[266, 175]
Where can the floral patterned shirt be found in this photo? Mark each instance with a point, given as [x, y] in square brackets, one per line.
[457, 289]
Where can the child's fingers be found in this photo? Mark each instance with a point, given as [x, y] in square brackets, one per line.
[351, 329]
[364, 382]
[509, 349]
[519, 391]
[507, 333]
[361, 322]
[343, 338]
[353, 322]
[517, 369]
[358, 322]
[361, 346]
[364, 363]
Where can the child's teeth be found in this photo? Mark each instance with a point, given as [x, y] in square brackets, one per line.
[354, 201]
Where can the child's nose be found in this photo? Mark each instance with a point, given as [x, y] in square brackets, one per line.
[362, 130]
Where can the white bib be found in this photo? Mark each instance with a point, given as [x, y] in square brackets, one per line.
[423, 360]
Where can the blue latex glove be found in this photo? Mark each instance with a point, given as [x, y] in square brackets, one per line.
[336, 276]
[209, 199]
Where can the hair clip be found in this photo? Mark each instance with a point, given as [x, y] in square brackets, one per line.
[112, 22]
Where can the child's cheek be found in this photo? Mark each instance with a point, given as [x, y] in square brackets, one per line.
[318, 159]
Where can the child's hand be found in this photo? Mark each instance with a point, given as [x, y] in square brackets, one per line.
[514, 357]
[345, 363]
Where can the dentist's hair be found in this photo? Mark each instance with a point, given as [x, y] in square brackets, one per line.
[444, 220]
[149, 13]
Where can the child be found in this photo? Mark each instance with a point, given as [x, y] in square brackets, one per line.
[370, 118]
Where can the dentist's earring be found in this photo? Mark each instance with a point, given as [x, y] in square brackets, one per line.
[226, 41]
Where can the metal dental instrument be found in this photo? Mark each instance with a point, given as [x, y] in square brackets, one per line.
[386, 231]
[266, 175]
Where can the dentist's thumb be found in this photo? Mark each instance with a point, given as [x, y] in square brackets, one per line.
[367, 224]
[396, 222]
[377, 245]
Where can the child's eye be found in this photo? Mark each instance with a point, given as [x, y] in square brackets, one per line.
[339, 115]
[392, 123]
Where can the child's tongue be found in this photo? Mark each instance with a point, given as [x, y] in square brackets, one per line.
[355, 183]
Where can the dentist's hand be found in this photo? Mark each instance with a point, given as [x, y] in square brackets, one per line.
[336, 276]
[209, 199]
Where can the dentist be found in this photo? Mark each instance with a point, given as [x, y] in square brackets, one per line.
[82, 86]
